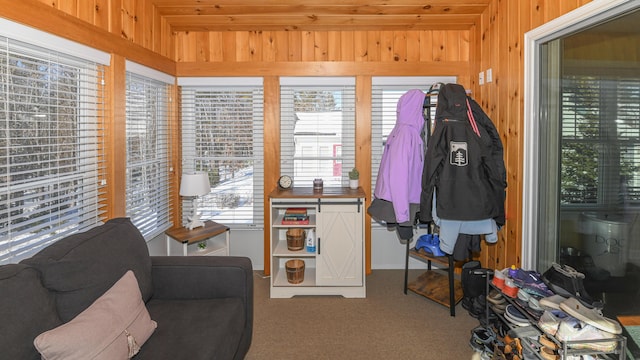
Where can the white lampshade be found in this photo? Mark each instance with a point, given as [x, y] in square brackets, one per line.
[195, 184]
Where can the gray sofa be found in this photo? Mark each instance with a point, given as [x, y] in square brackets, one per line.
[203, 306]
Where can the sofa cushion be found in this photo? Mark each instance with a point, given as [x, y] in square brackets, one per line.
[195, 329]
[81, 267]
[114, 327]
[26, 310]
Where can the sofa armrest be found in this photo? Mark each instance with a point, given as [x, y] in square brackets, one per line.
[202, 277]
[206, 277]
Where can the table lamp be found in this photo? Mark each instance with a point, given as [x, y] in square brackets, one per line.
[194, 185]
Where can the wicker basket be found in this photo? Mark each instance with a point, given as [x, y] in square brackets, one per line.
[295, 239]
[295, 271]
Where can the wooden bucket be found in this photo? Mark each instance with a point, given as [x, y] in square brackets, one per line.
[295, 271]
[295, 239]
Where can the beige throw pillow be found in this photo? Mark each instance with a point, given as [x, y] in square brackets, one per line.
[113, 327]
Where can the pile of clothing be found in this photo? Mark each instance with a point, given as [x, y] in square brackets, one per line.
[458, 183]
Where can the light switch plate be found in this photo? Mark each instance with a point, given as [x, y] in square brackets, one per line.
[481, 78]
[489, 75]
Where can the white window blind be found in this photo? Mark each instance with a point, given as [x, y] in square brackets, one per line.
[317, 129]
[51, 146]
[600, 134]
[222, 129]
[148, 151]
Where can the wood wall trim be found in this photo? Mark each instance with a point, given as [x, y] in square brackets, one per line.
[69, 27]
[323, 68]
[363, 153]
[271, 86]
[117, 141]
[175, 156]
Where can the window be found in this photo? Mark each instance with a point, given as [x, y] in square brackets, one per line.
[222, 127]
[317, 129]
[600, 141]
[51, 145]
[148, 111]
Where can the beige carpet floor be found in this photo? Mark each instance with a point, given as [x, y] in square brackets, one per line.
[387, 325]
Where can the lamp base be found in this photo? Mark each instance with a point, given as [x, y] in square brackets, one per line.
[194, 222]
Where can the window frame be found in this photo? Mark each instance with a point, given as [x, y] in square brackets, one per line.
[598, 136]
[342, 155]
[190, 160]
[74, 173]
[156, 89]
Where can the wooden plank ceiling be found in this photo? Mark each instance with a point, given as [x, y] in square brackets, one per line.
[319, 15]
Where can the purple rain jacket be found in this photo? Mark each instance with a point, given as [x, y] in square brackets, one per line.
[399, 178]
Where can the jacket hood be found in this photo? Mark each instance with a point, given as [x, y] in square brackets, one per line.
[409, 110]
[451, 102]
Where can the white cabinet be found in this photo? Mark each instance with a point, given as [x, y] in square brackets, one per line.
[339, 259]
[336, 267]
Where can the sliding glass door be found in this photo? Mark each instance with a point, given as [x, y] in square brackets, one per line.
[584, 154]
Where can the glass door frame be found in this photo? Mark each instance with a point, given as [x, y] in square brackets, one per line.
[583, 17]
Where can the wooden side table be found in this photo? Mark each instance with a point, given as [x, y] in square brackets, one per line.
[207, 233]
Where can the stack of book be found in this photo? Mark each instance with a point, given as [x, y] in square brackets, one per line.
[295, 216]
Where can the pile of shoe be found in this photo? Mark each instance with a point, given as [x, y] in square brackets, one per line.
[525, 288]
[573, 315]
[510, 280]
[530, 281]
[559, 304]
[497, 302]
[580, 335]
[548, 348]
[550, 320]
[529, 303]
[476, 306]
[474, 288]
[483, 340]
[583, 327]
[514, 316]
[500, 342]
[568, 282]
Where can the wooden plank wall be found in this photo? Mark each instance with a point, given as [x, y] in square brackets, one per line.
[133, 29]
[136, 21]
[305, 46]
[500, 47]
[362, 54]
